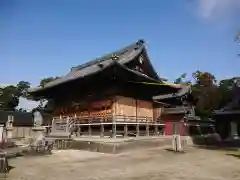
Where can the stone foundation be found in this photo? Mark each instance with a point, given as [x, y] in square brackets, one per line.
[115, 146]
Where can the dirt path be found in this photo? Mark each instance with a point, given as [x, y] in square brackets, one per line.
[155, 164]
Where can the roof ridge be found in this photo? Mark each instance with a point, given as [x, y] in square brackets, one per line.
[109, 55]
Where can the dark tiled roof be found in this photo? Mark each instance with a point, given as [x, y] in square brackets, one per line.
[123, 56]
[176, 110]
[197, 119]
[182, 91]
[226, 112]
[21, 118]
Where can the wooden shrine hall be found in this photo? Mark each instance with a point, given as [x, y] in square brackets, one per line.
[178, 115]
[109, 96]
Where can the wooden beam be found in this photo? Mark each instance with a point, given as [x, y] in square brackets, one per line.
[165, 104]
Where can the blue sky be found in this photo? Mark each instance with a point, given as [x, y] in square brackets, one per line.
[42, 38]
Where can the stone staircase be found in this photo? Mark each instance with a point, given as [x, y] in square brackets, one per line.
[61, 132]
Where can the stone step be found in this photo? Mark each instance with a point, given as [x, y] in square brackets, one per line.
[59, 135]
[59, 129]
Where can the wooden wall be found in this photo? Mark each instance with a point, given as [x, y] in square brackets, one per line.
[91, 109]
[157, 112]
[122, 107]
[132, 108]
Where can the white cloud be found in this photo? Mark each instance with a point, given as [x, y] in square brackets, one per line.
[217, 8]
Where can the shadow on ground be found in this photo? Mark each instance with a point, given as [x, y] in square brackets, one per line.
[234, 155]
[10, 168]
[211, 142]
[176, 152]
[231, 148]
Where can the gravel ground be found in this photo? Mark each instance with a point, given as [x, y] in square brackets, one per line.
[152, 164]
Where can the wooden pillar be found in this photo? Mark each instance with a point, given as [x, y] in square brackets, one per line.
[147, 129]
[102, 130]
[125, 130]
[89, 130]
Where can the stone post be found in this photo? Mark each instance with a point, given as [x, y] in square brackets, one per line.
[147, 129]
[102, 129]
[114, 129]
[53, 128]
[9, 127]
[137, 129]
[38, 129]
[1, 134]
[79, 131]
[38, 133]
[89, 130]
[125, 130]
[176, 143]
[67, 127]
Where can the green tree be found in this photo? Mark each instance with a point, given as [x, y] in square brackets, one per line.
[182, 79]
[227, 88]
[22, 87]
[44, 81]
[206, 92]
[9, 95]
